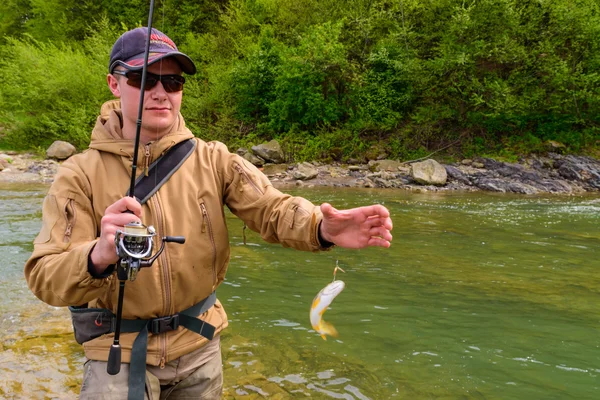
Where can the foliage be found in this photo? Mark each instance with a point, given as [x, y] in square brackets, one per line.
[54, 90]
[330, 79]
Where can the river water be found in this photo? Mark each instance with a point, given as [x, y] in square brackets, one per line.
[481, 296]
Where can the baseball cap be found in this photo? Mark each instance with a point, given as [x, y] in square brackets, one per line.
[128, 51]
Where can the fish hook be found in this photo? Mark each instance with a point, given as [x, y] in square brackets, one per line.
[336, 269]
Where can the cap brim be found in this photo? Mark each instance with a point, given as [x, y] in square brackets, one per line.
[137, 63]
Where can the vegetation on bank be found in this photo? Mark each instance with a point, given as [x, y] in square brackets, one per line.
[330, 79]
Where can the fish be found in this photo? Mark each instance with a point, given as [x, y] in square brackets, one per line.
[319, 305]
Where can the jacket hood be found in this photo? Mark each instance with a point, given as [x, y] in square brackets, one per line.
[107, 135]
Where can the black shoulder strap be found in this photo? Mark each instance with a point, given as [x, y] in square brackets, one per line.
[161, 170]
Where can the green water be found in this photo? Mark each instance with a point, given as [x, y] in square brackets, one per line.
[480, 297]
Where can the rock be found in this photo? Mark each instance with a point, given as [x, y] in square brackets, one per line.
[477, 164]
[467, 161]
[490, 163]
[44, 168]
[270, 152]
[457, 175]
[385, 165]
[582, 169]
[255, 160]
[503, 186]
[273, 169]
[7, 158]
[384, 183]
[355, 161]
[305, 171]
[249, 156]
[241, 151]
[429, 172]
[60, 150]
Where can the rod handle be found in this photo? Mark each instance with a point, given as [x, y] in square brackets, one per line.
[114, 360]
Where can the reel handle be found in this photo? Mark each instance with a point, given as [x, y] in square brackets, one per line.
[174, 239]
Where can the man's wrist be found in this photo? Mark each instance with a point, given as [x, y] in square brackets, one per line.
[324, 243]
[98, 272]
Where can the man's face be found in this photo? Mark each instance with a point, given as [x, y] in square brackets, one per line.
[161, 108]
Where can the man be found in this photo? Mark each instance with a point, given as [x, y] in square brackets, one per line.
[73, 262]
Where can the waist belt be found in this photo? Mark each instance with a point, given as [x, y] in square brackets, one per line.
[90, 323]
[186, 318]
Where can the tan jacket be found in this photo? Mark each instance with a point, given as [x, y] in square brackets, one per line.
[190, 204]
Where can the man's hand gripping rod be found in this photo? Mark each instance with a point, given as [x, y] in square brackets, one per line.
[134, 243]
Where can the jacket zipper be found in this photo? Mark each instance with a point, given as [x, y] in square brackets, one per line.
[246, 178]
[165, 269]
[206, 223]
[146, 158]
[70, 217]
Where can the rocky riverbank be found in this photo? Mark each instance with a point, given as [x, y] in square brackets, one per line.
[550, 173]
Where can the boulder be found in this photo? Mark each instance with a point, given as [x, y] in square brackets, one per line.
[274, 169]
[249, 156]
[271, 151]
[305, 171]
[457, 175]
[429, 172]
[60, 150]
[385, 165]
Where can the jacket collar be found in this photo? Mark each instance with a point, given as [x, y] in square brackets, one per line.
[107, 136]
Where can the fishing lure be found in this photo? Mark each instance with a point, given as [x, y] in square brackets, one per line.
[320, 303]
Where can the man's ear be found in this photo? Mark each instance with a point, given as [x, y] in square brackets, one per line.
[113, 85]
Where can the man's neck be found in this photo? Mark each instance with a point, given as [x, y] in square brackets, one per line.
[145, 136]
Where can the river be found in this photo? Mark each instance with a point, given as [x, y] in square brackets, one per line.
[481, 296]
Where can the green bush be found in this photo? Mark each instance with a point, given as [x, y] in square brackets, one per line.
[51, 92]
[329, 78]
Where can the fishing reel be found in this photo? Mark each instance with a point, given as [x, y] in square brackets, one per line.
[134, 248]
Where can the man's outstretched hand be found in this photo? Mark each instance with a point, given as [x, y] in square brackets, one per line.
[357, 227]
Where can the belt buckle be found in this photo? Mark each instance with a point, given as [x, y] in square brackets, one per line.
[165, 324]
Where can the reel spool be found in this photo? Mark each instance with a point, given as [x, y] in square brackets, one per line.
[134, 246]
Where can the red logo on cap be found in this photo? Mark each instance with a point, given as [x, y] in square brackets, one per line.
[156, 38]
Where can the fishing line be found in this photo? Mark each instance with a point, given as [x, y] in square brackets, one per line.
[141, 105]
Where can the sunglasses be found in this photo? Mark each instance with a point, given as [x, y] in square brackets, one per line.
[171, 83]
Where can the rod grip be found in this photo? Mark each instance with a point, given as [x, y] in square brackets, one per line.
[114, 360]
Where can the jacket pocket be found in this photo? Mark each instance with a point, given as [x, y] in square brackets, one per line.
[292, 214]
[246, 180]
[207, 229]
[70, 213]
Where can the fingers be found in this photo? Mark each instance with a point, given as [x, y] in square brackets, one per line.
[380, 232]
[377, 220]
[376, 210]
[123, 205]
[116, 215]
[379, 242]
[115, 218]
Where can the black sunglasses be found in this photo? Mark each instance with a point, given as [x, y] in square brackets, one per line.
[171, 83]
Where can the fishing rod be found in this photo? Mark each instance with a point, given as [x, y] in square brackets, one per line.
[134, 243]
